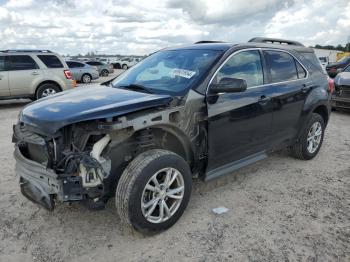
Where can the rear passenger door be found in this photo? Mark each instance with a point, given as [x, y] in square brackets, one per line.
[24, 73]
[289, 86]
[4, 79]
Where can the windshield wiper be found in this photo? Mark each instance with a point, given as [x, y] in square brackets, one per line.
[137, 87]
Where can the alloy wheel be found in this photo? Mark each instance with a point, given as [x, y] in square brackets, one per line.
[162, 195]
[48, 92]
[314, 137]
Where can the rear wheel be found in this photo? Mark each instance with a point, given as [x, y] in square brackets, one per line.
[47, 90]
[86, 78]
[311, 139]
[125, 67]
[154, 191]
[104, 72]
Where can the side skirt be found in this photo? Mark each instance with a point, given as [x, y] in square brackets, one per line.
[230, 167]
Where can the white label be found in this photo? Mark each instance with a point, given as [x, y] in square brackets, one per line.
[183, 73]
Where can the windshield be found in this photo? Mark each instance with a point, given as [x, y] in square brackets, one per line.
[169, 72]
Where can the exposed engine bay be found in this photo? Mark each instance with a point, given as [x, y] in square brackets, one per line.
[83, 161]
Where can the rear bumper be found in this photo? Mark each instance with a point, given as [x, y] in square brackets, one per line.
[42, 185]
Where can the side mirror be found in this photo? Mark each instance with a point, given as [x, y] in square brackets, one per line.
[229, 85]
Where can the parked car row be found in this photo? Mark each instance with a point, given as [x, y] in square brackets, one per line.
[334, 68]
[32, 74]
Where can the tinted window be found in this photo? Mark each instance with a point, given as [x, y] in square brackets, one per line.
[74, 64]
[94, 63]
[282, 66]
[301, 70]
[244, 65]
[51, 61]
[312, 59]
[22, 62]
[2, 63]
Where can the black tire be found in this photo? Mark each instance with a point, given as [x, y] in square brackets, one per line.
[133, 181]
[86, 78]
[104, 72]
[46, 90]
[299, 149]
[125, 67]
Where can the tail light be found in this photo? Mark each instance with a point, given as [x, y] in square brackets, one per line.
[331, 86]
[68, 74]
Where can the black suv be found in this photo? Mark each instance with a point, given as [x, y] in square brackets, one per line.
[202, 110]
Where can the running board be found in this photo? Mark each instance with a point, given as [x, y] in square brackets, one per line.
[229, 168]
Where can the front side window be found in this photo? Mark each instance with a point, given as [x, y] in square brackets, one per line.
[282, 66]
[243, 65]
[347, 69]
[51, 61]
[22, 62]
[169, 71]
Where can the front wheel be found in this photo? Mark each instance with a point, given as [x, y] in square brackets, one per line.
[125, 67]
[153, 191]
[311, 139]
[104, 73]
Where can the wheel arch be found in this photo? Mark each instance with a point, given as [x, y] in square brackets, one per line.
[173, 139]
[46, 82]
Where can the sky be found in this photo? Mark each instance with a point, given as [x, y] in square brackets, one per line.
[141, 27]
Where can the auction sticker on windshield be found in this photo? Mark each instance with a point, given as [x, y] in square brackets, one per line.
[183, 73]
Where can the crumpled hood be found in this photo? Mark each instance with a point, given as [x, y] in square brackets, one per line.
[86, 103]
[342, 79]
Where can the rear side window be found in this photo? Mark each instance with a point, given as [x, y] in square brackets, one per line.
[244, 65]
[282, 66]
[2, 63]
[22, 62]
[51, 61]
[74, 64]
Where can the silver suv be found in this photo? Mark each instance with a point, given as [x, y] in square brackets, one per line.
[32, 74]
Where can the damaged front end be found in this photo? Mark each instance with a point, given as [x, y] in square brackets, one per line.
[66, 167]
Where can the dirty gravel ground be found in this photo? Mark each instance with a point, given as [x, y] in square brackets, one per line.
[280, 209]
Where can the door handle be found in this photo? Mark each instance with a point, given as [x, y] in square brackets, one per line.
[264, 99]
[35, 73]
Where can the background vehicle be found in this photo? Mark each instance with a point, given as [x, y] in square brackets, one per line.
[333, 69]
[202, 110]
[103, 69]
[82, 72]
[341, 97]
[324, 61]
[33, 74]
[126, 62]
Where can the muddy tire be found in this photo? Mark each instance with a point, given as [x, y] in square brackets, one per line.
[153, 191]
[310, 140]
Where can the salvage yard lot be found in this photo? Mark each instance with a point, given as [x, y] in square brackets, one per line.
[280, 209]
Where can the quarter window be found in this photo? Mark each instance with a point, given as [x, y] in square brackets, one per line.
[51, 61]
[244, 65]
[282, 66]
[22, 62]
[300, 69]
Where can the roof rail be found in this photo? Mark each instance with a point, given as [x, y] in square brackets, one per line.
[207, 42]
[274, 41]
[25, 51]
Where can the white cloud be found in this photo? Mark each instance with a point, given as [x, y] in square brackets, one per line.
[141, 27]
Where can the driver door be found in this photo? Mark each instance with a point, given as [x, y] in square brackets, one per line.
[239, 124]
